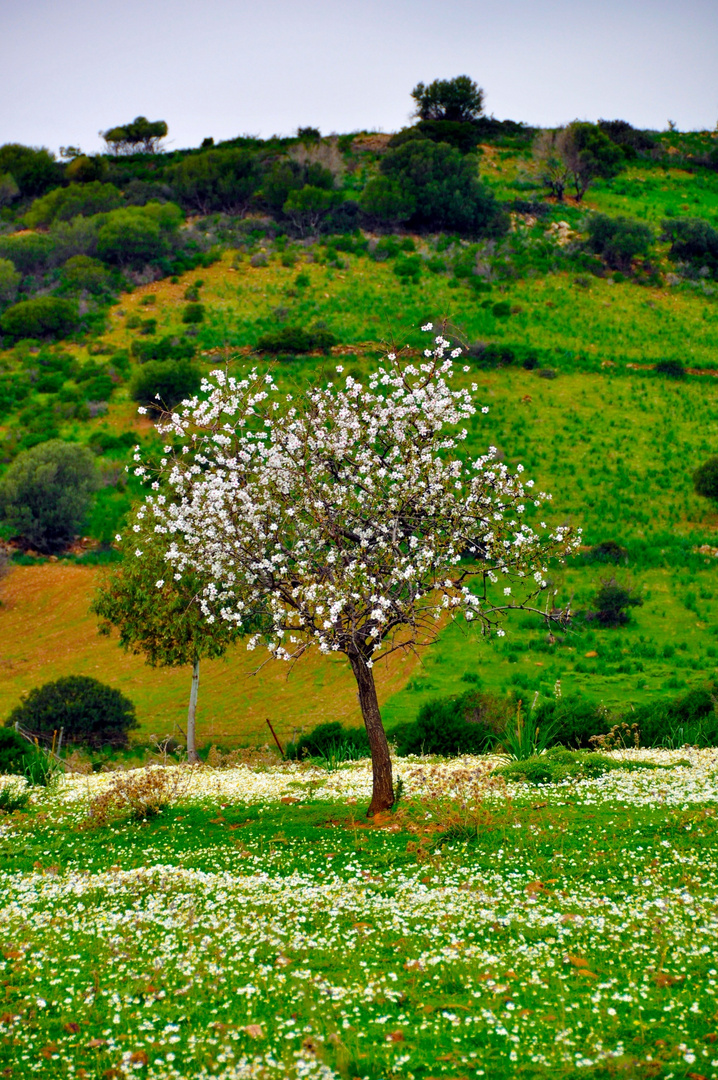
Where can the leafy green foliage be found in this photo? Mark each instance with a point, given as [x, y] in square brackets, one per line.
[590, 154]
[219, 180]
[571, 720]
[193, 313]
[558, 765]
[693, 241]
[705, 479]
[612, 601]
[65, 203]
[457, 100]
[90, 712]
[40, 317]
[618, 240]
[689, 719]
[164, 348]
[331, 739]
[9, 281]
[82, 273]
[469, 723]
[140, 135]
[46, 493]
[296, 339]
[165, 383]
[137, 235]
[18, 757]
[34, 171]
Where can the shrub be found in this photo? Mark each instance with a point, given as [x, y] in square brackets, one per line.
[557, 766]
[608, 551]
[674, 369]
[409, 267]
[464, 724]
[436, 187]
[457, 100]
[82, 273]
[46, 493]
[611, 603]
[295, 339]
[308, 206]
[166, 348]
[618, 240]
[9, 281]
[65, 203]
[193, 313]
[693, 241]
[689, 719]
[87, 710]
[705, 479]
[165, 383]
[40, 317]
[19, 758]
[137, 235]
[34, 171]
[219, 180]
[331, 739]
[572, 720]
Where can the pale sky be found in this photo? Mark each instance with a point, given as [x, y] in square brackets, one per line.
[69, 68]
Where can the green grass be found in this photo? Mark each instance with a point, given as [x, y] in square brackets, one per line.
[571, 936]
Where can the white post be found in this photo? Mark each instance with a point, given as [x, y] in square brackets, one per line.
[192, 755]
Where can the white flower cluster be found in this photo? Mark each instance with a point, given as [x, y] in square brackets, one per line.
[346, 517]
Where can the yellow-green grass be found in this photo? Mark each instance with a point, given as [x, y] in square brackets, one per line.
[47, 631]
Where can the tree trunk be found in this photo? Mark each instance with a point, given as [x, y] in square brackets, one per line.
[383, 789]
[192, 755]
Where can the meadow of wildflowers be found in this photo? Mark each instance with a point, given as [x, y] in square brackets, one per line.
[258, 926]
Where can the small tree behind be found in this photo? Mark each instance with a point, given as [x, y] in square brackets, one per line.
[140, 136]
[46, 493]
[87, 710]
[159, 617]
[459, 99]
[618, 240]
[344, 517]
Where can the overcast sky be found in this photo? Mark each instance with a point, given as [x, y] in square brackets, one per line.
[69, 68]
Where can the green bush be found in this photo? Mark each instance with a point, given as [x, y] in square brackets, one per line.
[558, 765]
[331, 739]
[571, 720]
[705, 479]
[608, 551]
[65, 203]
[46, 493]
[34, 171]
[611, 603]
[469, 723]
[137, 235]
[29, 253]
[674, 369]
[40, 317]
[88, 711]
[165, 383]
[9, 281]
[19, 758]
[689, 719]
[166, 348]
[693, 241]
[295, 339]
[193, 313]
[82, 273]
[618, 240]
[216, 181]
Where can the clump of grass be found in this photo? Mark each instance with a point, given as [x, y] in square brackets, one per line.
[558, 765]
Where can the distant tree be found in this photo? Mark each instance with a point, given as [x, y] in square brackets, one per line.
[385, 199]
[459, 99]
[631, 140]
[441, 185]
[140, 136]
[10, 280]
[159, 617]
[83, 169]
[705, 479]
[287, 175]
[46, 493]
[612, 601]
[65, 203]
[576, 155]
[618, 240]
[89, 711]
[82, 273]
[33, 170]
[136, 235]
[309, 134]
[8, 189]
[218, 180]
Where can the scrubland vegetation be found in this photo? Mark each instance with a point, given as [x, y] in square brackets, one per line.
[541, 907]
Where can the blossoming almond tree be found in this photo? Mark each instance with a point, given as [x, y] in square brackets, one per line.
[347, 517]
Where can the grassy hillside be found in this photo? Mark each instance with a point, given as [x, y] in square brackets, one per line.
[578, 404]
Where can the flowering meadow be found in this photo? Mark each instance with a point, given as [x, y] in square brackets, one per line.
[258, 926]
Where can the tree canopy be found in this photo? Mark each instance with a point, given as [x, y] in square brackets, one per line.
[139, 136]
[458, 99]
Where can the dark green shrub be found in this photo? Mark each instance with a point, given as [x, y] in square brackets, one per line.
[571, 720]
[606, 552]
[409, 267]
[705, 479]
[10, 280]
[166, 348]
[328, 739]
[219, 180]
[65, 203]
[501, 309]
[295, 339]
[558, 765]
[674, 369]
[82, 273]
[689, 719]
[46, 493]
[34, 171]
[458, 100]
[631, 140]
[693, 241]
[469, 723]
[618, 240]
[90, 712]
[20, 758]
[611, 603]
[29, 253]
[40, 317]
[165, 383]
[137, 235]
[193, 313]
